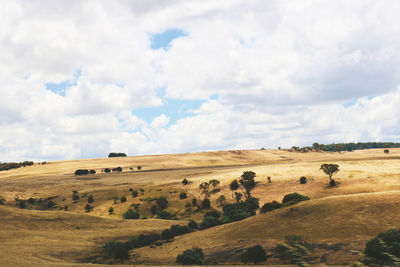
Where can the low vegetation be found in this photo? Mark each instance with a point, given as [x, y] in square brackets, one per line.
[116, 154]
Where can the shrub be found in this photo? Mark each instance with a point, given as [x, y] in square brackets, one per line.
[116, 154]
[92, 172]
[185, 181]
[194, 202]
[123, 199]
[162, 203]
[209, 221]
[293, 198]
[153, 209]
[167, 234]
[165, 215]
[303, 180]
[193, 224]
[332, 182]
[130, 214]
[130, 189]
[135, 193]
[107, 170]
[182, 195]
[90, 199]
[180, 229]
[88, 208]
[81, 172]
[139, 168]
[118, 169]
[270, 206]
[193, 256]
[253, 254]
[206, 203]
[116, 250]
[111, 210]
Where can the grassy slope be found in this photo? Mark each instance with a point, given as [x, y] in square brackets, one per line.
[364, 203]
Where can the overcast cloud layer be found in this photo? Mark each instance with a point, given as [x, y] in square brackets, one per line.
[268, 74]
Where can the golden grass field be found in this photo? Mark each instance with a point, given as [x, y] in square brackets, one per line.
[339, 220]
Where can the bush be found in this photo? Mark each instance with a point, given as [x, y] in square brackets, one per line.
[185, 181]
[118, 169]
[193, 224]
[167, 234]
[116, 154]
[180, 229]
[205, 204]
[166, 215]
[193, 256]
[90, 199]
[332, 182]
[111, 210]
[135, 193]
[270, 206]
[293, 198]
[303, 180]
[116, 250]
[107, 170]
[123, 199]
[130, 214]
[153, 209]
[81, 172]
[182, 195]
[162, 203]
[253, 254]
[92, 172]
[88, 208]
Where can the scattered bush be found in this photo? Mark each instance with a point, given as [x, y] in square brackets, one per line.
[254, 254]
[205, 204]
[116, 154]
[81, 172]
[185, 181]
[267, 207]
[193, 256]
[123, 199]
[90, 199]
[118, 169]
[135, 193]
[293, 198]
[130, 214]
[303, 180]
[182, 195]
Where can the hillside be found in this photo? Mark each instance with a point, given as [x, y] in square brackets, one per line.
[340, 219]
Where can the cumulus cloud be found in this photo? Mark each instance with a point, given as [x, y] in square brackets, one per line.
[269, 73]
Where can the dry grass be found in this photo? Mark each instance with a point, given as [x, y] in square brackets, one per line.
[365, 203]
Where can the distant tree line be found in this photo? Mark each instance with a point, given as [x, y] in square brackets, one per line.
[14, 165]
[116, 154]
[346, 146]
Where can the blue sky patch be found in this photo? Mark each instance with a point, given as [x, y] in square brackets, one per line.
[164, 39]
[60, 88]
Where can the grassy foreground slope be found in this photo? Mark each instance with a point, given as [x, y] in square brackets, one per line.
[365, 203]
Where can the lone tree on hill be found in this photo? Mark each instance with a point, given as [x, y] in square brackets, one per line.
[247, 181]
[330, 170]
[234, 186]
[253, 254]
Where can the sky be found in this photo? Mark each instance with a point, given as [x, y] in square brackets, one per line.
[80, 79]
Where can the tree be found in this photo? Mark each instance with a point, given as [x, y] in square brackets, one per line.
[135, 193]
[123, 199]
[90, 199]
[330, 170]
[254, 254]
[162, 203]
[153, 209]
[75, 196]
[194, 202]
[185, 181]
[248, 182]
[303, 180]
[193, 256]
[139, 168]
[252, 205]
[234, 185]
[116, 154]
[167, 234]
[107, 170]
[182, 195]
[130, 214]
[2, 200]
[270, 206]
[214, 183]
[386, 151]
[205, 187]
[116, 250]
[193, 224]
[206, 203]
[238, 196]
[111, 210]
[221, 201]
[88, 208]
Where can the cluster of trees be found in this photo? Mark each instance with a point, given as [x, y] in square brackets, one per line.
[288, 200]
[116, 154]
[383, 250]
[4, 166]
[353, 146]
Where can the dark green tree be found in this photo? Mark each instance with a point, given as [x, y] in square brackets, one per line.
[248, 182]
[254, 254]
[193, 256]
[162, 203]
[234, 185]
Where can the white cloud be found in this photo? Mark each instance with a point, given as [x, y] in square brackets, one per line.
[280, 71]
